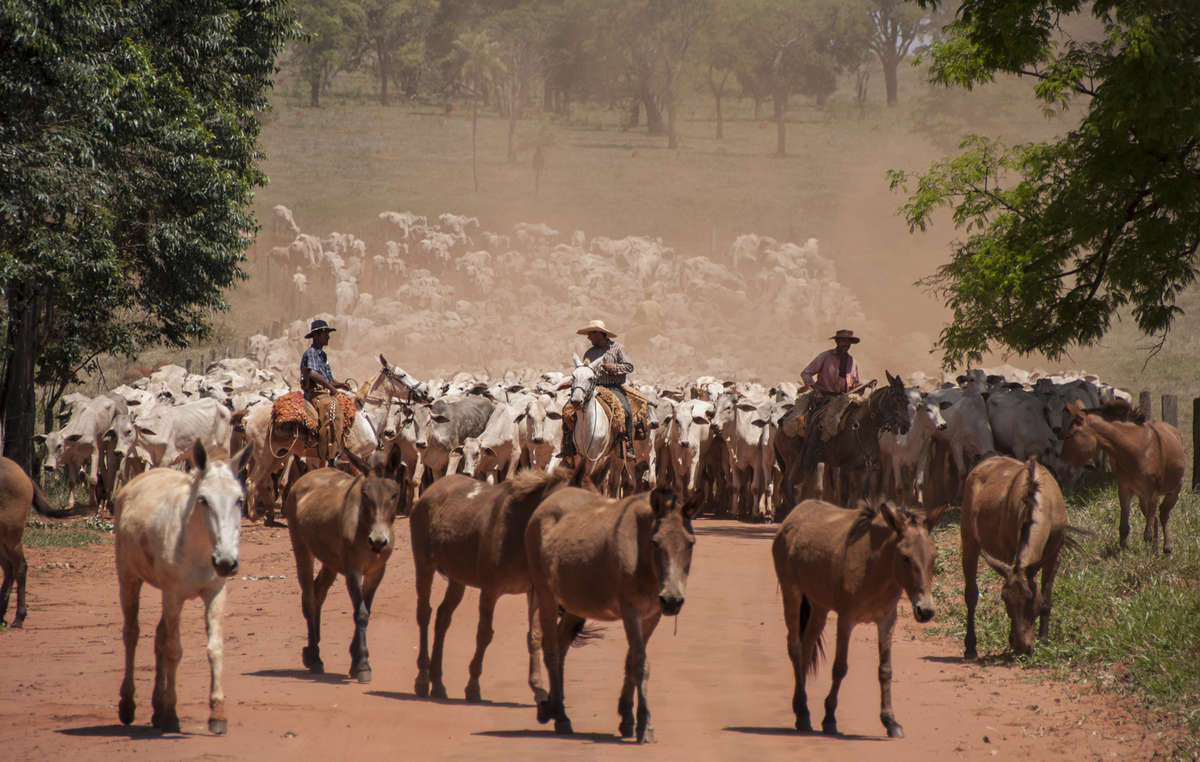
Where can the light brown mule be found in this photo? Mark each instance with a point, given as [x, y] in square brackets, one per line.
[17, 494]
[474, 534]
[601, 558]
[345, 522]
[856, 563]
[1149, 461]
[1015, 511]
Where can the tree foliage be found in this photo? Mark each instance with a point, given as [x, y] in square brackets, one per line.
[128, 141]
[1062, 237]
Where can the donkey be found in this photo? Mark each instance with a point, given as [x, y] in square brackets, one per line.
[1148, 459]
[856, 562]
[179, 532]
[17, 494]
[1012, 510]
[474, 534]
[601, 558]
[345, 522]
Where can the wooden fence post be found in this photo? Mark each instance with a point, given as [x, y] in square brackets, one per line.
[1170, 409]
[1145, 403]
[1196, 444]
[187, 364]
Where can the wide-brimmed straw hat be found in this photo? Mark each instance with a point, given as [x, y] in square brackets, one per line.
[848, 335]
[317, 326]
[594, 326]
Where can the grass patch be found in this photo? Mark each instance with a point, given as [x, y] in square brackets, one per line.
[69, 534]
[1128, 621]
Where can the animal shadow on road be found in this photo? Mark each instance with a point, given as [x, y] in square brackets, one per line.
[786, 731]
[993, 660]
[550, 735]
[301, 674]
[133, 732]
[741, 531]
[401, 696]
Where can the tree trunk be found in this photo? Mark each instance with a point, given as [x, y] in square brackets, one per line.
[672, 136]
[720, 120]
[314, 91]
[635, 113]
[780, 100]
[17, 400]
[385, 71]
[474, 127]
[547, 97]
[890, 66]
[512, 132]
[758, 102]
[654, 118]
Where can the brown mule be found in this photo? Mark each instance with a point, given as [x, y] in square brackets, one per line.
[1013, 510]
[17, 494]
[602, 558]
[474, 534]
[345, 522]
[1149, 462]
[856, 563]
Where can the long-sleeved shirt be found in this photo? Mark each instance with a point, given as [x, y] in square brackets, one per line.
[614, 355]
[828, 372]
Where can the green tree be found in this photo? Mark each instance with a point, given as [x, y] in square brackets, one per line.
[896, 25]
[1061, 237]
[395, 33]
[478, 65]
[331, 30]
[128, 141]
[520, 33]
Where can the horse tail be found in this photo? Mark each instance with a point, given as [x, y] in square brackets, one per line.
[818, 652]
[42, 504]
[1071, 537]
[580, 633]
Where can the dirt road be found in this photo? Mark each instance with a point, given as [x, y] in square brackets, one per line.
[720, 687]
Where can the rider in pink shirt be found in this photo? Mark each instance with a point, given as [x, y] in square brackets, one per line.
[834, 371]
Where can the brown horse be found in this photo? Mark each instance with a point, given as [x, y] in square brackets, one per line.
[1148, 459]
[601, 558]
[474, 534]
[345, 522]
[856, 563]
[1013, 510]
[17, 494]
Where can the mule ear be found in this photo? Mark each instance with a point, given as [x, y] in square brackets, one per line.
[893, 515]
[357, 462]
[383, 361]
[662, 500]
[1001, 568]
[199, 455]
[691, 509]
[575, 359]
[934, 516]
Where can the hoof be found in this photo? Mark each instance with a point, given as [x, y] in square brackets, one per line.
[562, 727]
[19, 623]
[972, 654]
[362, 675]
[804, 725]
[543, 713]
[829, 727]
[895, 731]
[473, 694]
[439, 691]
[626, 729]
[125, 711]
[217, 727]
[421, 687]
[646, 736]
[312, 660]
[171, 724]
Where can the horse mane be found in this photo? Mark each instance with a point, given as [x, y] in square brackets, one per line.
[1119, 410]
[1029, 501]
[862, 522]
[529, 482]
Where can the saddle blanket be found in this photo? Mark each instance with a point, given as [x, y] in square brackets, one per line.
[292, 408]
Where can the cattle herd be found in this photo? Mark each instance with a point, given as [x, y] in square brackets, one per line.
[473, 460]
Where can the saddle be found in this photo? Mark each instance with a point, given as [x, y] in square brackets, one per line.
[294, 414]
[817, 414]
[616, 412]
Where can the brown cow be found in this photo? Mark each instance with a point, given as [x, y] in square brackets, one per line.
[1015, 511]
[1148, 459]
[856, 563]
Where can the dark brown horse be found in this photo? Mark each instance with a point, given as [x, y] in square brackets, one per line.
[856, 563]
[474, 534]
[603, 558]
[17, 494]
[1013, 513]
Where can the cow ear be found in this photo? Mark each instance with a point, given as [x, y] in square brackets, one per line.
[39, 439]
[457, 450]
[241, 458]
[488, 451]
[199, 455]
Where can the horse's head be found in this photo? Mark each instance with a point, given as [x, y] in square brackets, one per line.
[915, 553]
[891, 406]
[219, 496]
[671, 542]
[583, 381]
[1022, 600]
[397, 379]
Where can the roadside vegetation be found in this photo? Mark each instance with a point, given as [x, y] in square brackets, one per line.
[1126, 622]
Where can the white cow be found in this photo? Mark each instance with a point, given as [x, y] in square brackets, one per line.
[167, 434]
[688, 444]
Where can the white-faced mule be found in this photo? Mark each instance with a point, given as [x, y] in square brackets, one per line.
[856, 562]
[345, 522]
[179, 532]
[601, 558]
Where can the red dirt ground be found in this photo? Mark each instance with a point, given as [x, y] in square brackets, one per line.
[720, 688]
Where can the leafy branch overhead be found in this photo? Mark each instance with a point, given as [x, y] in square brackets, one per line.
[1061, 238]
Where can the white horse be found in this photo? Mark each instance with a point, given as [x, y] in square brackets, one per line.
[179, 532]
[593, 433]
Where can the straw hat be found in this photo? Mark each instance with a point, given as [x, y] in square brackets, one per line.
[846, 334]
[317, 326]
[595, 325]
